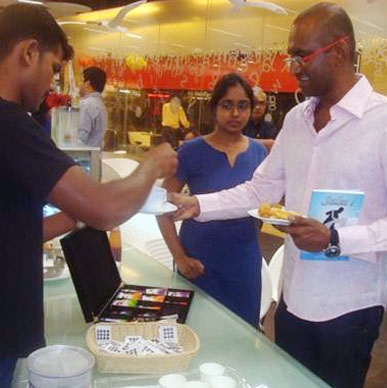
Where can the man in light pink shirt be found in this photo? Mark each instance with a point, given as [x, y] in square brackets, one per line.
[331, 311]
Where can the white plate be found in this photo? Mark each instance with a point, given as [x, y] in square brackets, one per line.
[64, 275]
[272, 221]
[166, 207]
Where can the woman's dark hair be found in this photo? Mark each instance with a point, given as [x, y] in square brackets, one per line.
[222, 86]
[20, 22]
[96, 78]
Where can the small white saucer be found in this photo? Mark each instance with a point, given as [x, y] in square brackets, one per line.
[64, 275]
[165, 207]
[272, 221]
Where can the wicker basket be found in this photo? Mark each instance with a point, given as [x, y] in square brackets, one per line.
[149, 364]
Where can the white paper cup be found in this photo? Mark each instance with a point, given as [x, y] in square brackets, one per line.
[209, 370]
[156, 197]
[172, 381]
[223, 382]
[195, 384]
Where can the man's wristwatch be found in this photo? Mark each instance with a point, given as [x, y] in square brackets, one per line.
[333, 248]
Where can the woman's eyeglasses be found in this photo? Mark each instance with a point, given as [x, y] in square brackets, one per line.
[240, 106]
[303, 60]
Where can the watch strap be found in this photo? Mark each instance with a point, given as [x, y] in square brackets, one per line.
[333, 249]
[334, 237]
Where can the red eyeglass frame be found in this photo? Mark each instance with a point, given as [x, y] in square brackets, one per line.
[308, 58]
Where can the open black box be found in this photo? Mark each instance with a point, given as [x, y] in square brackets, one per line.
[102, 294]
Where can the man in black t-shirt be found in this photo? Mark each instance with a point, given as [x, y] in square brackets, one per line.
[33, 171]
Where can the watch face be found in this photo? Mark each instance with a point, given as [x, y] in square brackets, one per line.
[332, 251]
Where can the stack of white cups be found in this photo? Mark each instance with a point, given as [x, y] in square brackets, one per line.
[172, 381]
[211, 376]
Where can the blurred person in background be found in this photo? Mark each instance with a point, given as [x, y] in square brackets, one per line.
[258, 127]
[92, 111]
[174, 120]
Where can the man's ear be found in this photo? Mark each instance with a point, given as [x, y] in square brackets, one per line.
[342, 53]
[29, 51]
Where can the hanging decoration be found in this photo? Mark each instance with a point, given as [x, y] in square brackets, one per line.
[85, 61]
[135, 62]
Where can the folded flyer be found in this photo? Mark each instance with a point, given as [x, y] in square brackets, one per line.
[334, 208]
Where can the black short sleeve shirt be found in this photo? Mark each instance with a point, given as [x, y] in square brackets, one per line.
[30, 165]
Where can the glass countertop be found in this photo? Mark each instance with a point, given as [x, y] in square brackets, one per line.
[225, 338]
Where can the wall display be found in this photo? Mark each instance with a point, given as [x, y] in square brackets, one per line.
[195, 72]
[174, 46]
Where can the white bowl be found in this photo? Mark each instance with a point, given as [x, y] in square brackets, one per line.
[60, 366]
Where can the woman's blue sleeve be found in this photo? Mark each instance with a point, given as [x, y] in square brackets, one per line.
[183, 168]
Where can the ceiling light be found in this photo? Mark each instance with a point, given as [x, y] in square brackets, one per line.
[98, 31]
[65, 22]
[97, 48]
[130, 91]
[239, 4]
[369, 24]
[242, 45]
[177, 45]
[158, 95]
[134, 36]
[31, 2]
[226, 32]
[289, 10]
[277, 28]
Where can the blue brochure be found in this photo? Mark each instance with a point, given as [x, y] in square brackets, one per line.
[336, 208]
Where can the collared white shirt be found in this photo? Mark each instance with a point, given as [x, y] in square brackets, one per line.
[349, 153]
[92, 120]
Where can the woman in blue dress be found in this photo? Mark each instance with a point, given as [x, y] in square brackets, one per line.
[221, 257]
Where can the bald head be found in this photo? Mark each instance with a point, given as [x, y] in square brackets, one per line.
[330, 22]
